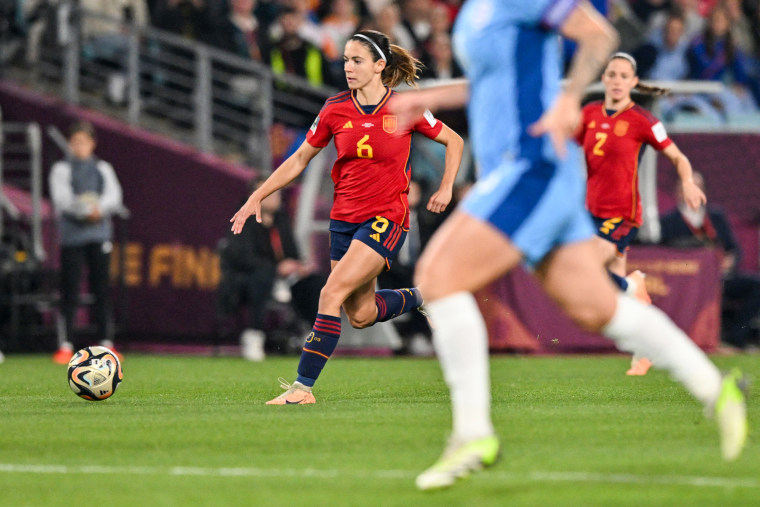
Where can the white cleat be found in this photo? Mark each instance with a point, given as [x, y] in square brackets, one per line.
[458, 461]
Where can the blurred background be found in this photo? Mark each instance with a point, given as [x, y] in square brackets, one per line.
[194, 99]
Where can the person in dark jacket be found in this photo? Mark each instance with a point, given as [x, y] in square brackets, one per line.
[709, 226]
[261, 264]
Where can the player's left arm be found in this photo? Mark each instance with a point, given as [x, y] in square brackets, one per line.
[693, 195]
[454, 149]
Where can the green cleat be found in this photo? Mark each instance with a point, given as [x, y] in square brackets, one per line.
[731, 412]
[458, 460]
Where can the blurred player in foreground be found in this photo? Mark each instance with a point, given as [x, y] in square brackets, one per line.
[370, 213]
[528, 207]
[614, 133]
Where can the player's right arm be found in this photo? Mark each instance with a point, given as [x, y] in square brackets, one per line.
[596, 40]
[287, 172]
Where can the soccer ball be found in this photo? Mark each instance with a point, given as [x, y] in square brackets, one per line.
[94, 373]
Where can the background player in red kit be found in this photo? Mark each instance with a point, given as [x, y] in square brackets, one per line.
[370, 213]
[614, 133]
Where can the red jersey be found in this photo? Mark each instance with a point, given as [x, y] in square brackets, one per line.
[371, 174]
[613, 146]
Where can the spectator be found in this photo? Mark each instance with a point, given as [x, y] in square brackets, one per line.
[292, 54]
[85, 194]
[239, 32]
[105, 30]
[341, 21]
[415, 17]
[693, 21]
[104, 27]
[441, 63]
[339, 25]
[646, 9]
[709, 226]
[714, 56]
[253, 263]
[388, 20]
[741, 30]
[664, 57]
[183, 17]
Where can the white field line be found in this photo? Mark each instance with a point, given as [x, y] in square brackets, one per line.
[536, 476]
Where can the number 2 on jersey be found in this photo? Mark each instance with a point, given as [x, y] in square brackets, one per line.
[364, 150]
[601, 138]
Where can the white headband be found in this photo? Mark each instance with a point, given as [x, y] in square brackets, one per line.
[382, 55]
[624, 56]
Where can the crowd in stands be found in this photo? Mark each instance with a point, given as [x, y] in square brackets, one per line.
[711, 40]
[715, 40]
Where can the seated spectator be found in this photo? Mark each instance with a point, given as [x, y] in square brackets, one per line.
[709, 226]
[693, 21]
[255, 264]
[105, 31]
[415, 18]
[663, 58]
[714, 56]
[741, 30]
[441, 63]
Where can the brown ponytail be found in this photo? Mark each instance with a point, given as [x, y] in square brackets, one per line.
[403, 68]
[400, 65]
[654, 91]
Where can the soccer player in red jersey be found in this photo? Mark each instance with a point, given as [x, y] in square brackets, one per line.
[370, 213]
[614, 133]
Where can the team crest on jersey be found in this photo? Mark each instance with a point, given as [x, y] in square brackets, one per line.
[390, 123]
[621, 127]
[592, 124]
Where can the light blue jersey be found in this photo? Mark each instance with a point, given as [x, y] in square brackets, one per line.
[511, 54]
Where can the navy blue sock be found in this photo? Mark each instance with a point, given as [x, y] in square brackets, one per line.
[619, 281]
[392, 303]
[318, 348]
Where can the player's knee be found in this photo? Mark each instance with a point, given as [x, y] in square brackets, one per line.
[331, 296]
[361, 319]
[591, 317]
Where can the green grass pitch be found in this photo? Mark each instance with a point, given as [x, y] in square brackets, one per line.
[190, 431]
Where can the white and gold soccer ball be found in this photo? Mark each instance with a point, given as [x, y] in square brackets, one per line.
[94, 373]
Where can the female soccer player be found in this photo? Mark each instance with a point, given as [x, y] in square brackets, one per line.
[528, 207]
[370, 213]
[614, 133]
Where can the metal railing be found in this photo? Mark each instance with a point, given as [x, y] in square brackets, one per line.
[218, 102]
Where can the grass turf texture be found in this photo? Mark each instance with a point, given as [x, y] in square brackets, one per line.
[195, 431]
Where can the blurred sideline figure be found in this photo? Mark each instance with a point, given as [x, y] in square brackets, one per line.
[85, 193]
[369, 219]
[709, 226]
[260, 264]
[614, 133]
[528, 207]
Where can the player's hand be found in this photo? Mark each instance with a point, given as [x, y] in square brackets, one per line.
[439, 200]
[693, 195]
[559, 122]
[251, 207]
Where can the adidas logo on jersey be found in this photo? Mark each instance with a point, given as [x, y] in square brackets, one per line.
[348, 125]
[375, 236]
